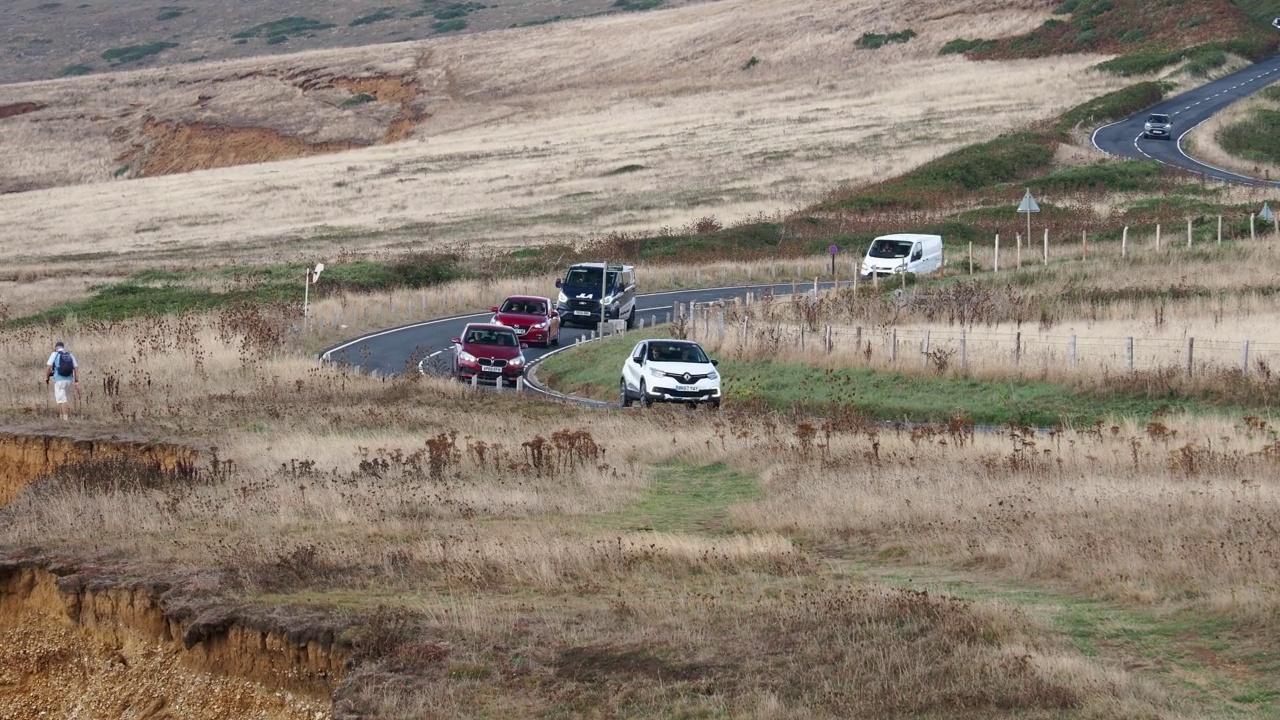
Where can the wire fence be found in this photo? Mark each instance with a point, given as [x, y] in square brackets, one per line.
[964, 348]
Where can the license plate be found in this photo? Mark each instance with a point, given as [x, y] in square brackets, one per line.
[490, 369]
[686, 388]
[581, 312]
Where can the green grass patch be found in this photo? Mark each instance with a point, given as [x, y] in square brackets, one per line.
[1104, 176]
[379, 15]
[1115, 105]
[280, 30]
[75, 70]
[359, 99]
[637, 5]
[134, 53]
[1255, 138]
[447, 26]
[689, 499]
[1009, 158]
[874, 41]
[960, 46]
[594, 370]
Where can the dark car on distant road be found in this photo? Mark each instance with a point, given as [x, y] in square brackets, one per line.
[489, 353]
[588, 291]
[533, 318]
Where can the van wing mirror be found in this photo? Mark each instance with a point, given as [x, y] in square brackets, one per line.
[559, 283]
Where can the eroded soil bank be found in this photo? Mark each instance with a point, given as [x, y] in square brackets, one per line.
[82, 642]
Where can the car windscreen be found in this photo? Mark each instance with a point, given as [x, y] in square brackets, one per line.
[676, 352]
[589, 277]
[524, 307]
[890, 249]
[491, 337]
[1158, 119]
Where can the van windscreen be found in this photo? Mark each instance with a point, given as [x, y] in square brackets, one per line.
[891, 249]
[589, 277]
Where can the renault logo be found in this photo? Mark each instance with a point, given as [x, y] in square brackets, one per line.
[687, 378]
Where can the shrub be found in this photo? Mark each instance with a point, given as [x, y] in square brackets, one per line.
[1254, 137]
[75, 70]
[958, 46]
[872, 41]
[373, 17]
[750, 63]
[169, 13]
[444, 26]
[282, 28]
[637, 5]
[360, 99]
[134, 53]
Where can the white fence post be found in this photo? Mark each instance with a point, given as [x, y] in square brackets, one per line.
[1244, 358]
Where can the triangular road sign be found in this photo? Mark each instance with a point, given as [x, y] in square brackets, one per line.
[1266, 213]
[1028, 204]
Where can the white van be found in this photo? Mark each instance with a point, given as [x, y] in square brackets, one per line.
[903, 252]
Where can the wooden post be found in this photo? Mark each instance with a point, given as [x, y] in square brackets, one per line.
[904, 279]
[1128, 353]
[1157, 236]
[964, 349]
[893, 346]
[826, 338]
[1084, 244]
[1191, 354]
[970, 257]
[1018, 254]
[924, 350]
[1244, 358]
[1073, 351]
[1188, 232]
[1046, 247]
[1017, 348]
[1252, 235]
[1124, 242]
[1219, 229]
[995, 266]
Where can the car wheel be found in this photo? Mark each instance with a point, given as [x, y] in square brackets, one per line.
[713, 405]
[645, 400]
[554, 340]
[631, 318]
[622, 391]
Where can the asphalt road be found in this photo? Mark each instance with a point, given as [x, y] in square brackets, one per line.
[398, 350]
[1124, 138]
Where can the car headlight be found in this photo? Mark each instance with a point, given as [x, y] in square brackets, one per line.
[608, 300]
[562, 298]
[1147, 126]
[713, 375]
[516, 360]
[541, 326]
[495, 320]
[465, 356]
[655, 372]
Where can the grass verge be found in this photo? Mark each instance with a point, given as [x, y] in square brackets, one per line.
[593, 371]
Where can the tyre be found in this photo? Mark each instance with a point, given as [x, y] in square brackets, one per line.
[622, 391]
[555, 340]
[713, 405]
[645, 400]
[631, 318]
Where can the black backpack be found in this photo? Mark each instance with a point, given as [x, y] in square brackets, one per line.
[65, 365]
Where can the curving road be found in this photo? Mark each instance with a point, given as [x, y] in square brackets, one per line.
[1188, 110]
[398, 350]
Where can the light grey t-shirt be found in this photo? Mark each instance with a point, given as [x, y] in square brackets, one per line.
[53, 361]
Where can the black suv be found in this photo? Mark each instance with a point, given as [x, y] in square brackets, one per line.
[1158, 126]
[580, 303]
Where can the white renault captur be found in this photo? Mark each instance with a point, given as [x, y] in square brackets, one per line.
[670, 371]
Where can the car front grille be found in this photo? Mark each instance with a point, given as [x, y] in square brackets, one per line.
[491, 362]
[690, 379]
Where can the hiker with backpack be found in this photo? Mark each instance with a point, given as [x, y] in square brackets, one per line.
[63, 370]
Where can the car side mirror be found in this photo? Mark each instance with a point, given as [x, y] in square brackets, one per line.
[493, 309]
[524, 346]
[715, 362]
[558, 282]
[553, 314]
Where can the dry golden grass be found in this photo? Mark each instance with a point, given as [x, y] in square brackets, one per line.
[527, 127]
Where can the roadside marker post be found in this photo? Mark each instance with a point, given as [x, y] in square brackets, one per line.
[1028, 206]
